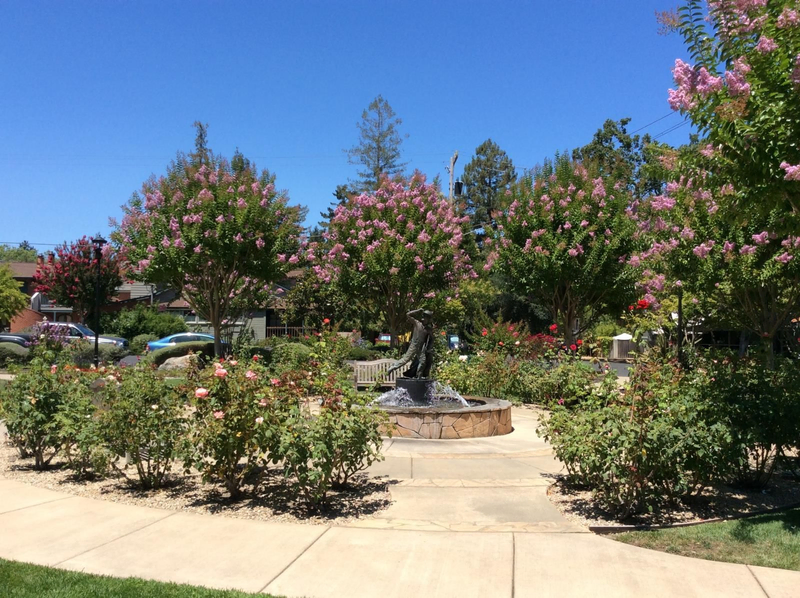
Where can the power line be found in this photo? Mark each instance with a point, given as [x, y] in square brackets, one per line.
[671, 112]
[671, 129]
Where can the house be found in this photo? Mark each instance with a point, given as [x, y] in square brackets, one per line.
[40, 307]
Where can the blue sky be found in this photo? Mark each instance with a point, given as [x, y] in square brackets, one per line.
[97, 96]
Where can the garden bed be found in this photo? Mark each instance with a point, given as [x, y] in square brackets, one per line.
[188, 493]
[713, 503]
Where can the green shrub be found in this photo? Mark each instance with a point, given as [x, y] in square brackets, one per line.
[239, 412]
[202, 348]
[287, 357]
[568, 382]
[11, 353]
[142, 319]
[357, 353]
[81, 353]
[659, 440]
[144, 419]
[762, 408]
[29, 405]
[139, 343]
[327, 449]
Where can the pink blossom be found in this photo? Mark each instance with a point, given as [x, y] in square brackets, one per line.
[728, 246]
[766, 45]
[201, 393]
[275, 381]
[703, 249]
[792, 172]
[220, 372]
[783, 258]
[748, 249]
[761, 238]
[259, 420]
[260, 243]
[219, 414]
[251, 375]
[294, 259]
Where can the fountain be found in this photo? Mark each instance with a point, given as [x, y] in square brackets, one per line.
[421, 407]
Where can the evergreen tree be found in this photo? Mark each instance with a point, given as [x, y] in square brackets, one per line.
[378, 149]
[486, 179]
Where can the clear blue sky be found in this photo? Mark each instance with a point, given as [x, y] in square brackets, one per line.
[97, 96]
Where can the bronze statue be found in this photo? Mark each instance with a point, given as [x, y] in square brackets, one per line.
[420, 349]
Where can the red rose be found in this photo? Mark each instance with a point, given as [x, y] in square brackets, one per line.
[326, 321]
[573, 348]
[553, 327]
[484, 332]
[580, 342]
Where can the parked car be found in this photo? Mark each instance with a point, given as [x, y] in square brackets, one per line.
[74, 331]
[181, 337]
[21, 339]
[384, 340]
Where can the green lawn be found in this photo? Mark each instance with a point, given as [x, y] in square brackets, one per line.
[764, 540]
[19, 580]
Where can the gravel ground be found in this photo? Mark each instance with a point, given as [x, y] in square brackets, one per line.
[274, 500]
[724, 502]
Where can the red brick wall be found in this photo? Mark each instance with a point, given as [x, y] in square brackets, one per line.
[28, 317]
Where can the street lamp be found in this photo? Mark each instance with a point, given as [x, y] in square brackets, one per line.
[459, 188]
[98, 243]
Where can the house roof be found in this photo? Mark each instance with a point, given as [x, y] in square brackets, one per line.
[21, 269]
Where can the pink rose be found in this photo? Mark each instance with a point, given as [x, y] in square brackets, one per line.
[259, 420]
[219, 414]
[201, 393]
[221, 372]
[251, 375]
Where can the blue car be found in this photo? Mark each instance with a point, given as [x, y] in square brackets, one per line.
[181, 337]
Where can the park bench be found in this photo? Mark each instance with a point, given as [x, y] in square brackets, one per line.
[370, 373]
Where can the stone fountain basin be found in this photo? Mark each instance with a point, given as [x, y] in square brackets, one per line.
[485, 417]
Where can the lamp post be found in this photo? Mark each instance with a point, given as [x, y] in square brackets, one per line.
[98, 243]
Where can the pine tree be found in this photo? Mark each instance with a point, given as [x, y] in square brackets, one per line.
[378, 149]
[486, 179]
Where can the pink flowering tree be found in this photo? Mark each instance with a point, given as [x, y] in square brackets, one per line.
[400, 248]
[743, 94]
[565, 241]
[219, 234]
[70, 276]
[742, 273]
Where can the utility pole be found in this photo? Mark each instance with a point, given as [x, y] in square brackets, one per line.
[450, 170]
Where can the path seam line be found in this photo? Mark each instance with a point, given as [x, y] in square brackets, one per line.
[47, 502]
[106, 543]
[293, 561]
[513, 563]
[758, 581]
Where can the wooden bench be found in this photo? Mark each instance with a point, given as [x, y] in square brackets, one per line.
[370, 373]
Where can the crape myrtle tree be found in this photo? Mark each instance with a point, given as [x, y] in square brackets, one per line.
[563, 242]
[217, 232]
[743, 95]
[70, 277]
[399, 248]
[745, 274]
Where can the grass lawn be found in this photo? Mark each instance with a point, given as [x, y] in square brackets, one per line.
[19, 580]
[764, 540]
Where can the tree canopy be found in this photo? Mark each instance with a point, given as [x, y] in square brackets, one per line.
[12, 300]
[377, 152]
[219, 234]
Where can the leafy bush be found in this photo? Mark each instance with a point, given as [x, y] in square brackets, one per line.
[202, 348]
[81, 353]
[29, 406]
[762, 408]
[11, 353]
[568, 382]
[325, 450]
[139, 342]
[658, 440]
[357, 353]
[142, 319]
[144, 420]
[287, 357]
[239, 412]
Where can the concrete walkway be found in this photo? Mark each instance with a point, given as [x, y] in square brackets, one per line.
[469, 518]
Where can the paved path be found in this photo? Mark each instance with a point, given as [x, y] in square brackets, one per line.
[469, 518]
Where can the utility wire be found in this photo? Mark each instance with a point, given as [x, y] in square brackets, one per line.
[671, 129]
[671, 112]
